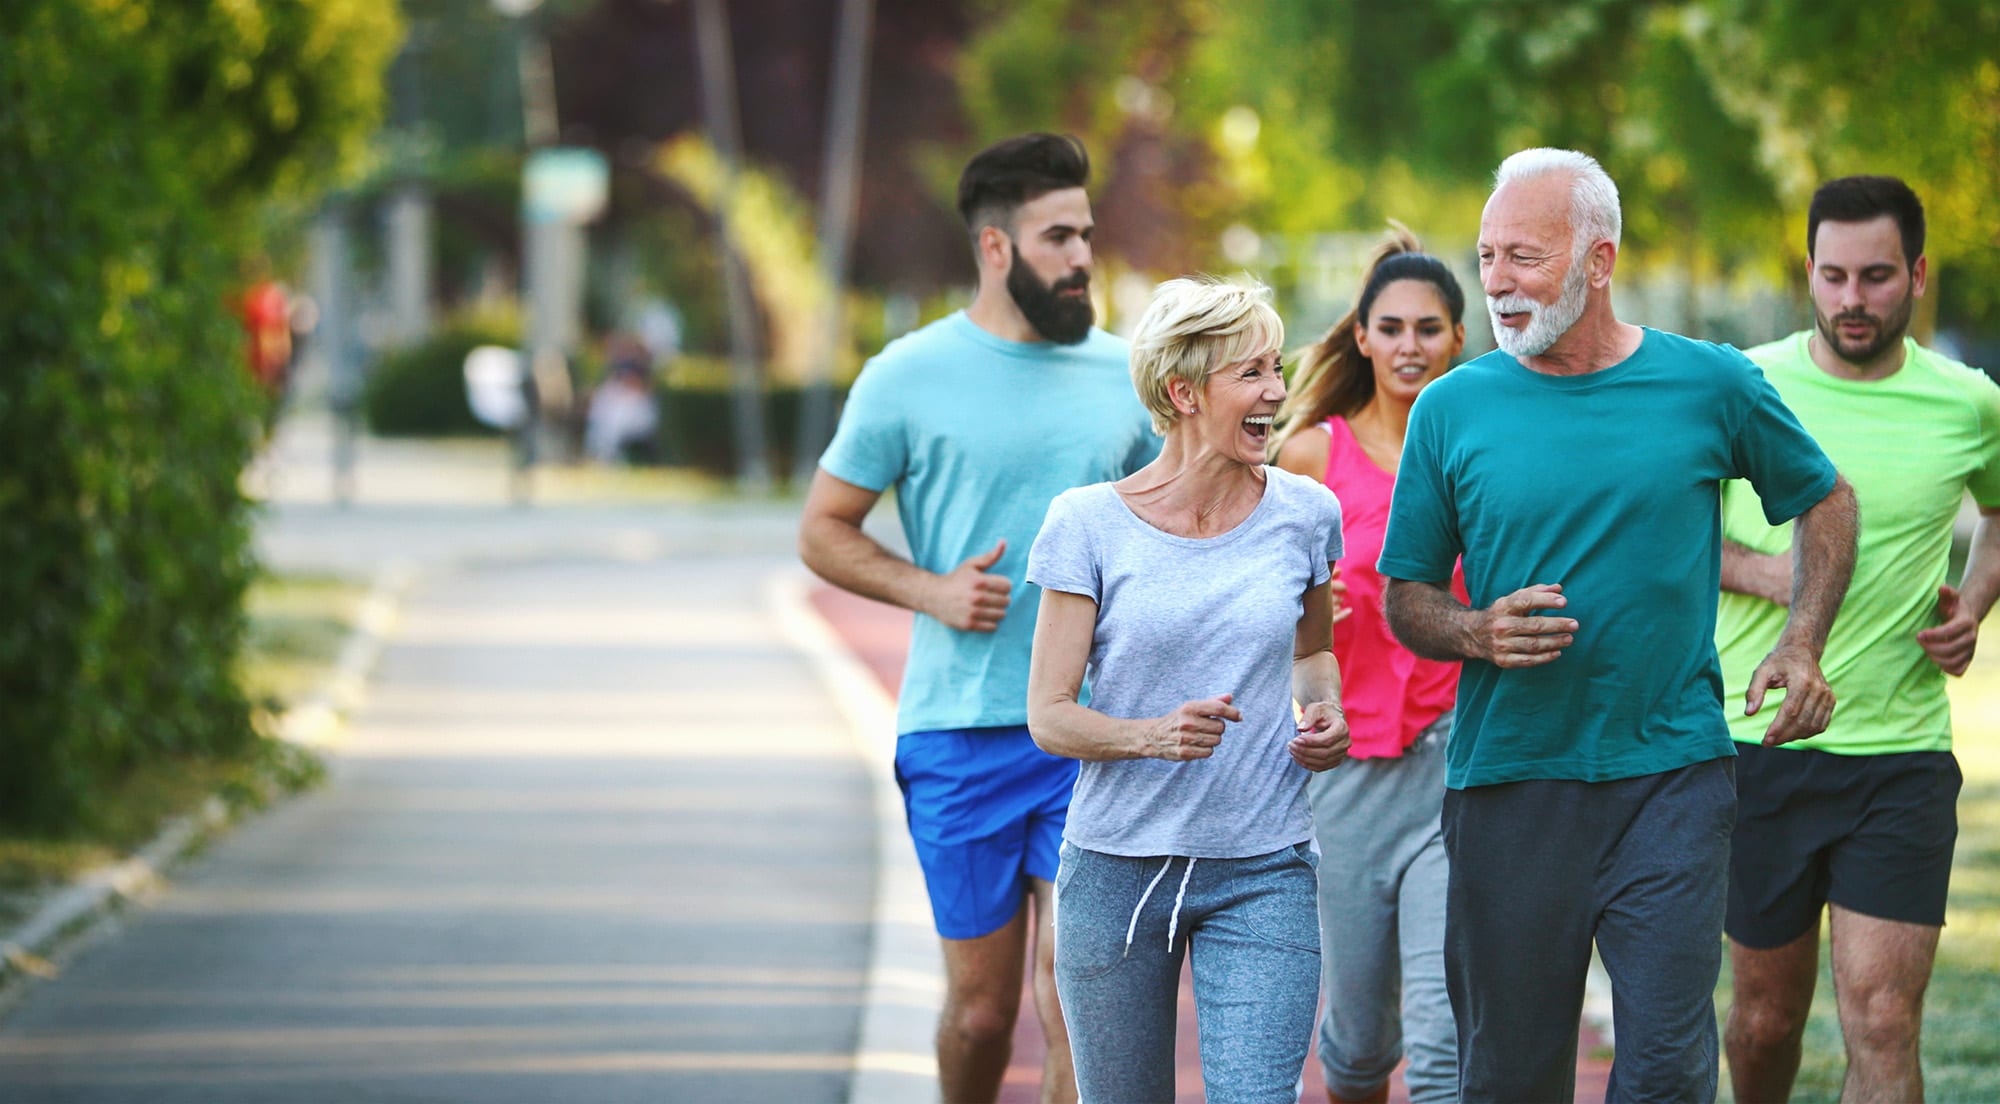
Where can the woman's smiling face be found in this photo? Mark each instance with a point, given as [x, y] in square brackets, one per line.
[1238, 402]
[1409, 339]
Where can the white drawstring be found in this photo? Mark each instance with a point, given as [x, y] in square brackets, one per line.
[1174, 920]
[1143, 897]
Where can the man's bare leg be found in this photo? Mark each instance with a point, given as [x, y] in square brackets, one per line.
[1058, 1072]
[1773, 990]
[982, 999]
[1880, 971]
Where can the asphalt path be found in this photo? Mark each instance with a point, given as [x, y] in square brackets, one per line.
[596, 835]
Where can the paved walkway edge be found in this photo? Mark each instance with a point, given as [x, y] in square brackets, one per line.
[319, 719]
[32, 951]
[894, 1059]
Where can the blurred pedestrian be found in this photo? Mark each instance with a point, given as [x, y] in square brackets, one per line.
[1195, 595]
[657, 325]
[977, 421]
[1859, 821]
[1382, 867]
[622, 422]
[1577, 471]
[267, 329]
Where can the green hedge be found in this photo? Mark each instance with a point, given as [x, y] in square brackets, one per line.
[698, 427]
[419, 391]
[140, 142]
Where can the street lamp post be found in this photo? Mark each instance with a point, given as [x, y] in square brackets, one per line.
[718, 85]
[840, 181]
[538, 129]
[531, 55]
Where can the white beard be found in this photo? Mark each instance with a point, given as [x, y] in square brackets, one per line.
[1546, 322]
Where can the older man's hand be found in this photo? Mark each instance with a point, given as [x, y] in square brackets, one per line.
[1808, 705]
[1512, 633]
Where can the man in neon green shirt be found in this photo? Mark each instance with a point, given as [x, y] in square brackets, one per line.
[1860, 819]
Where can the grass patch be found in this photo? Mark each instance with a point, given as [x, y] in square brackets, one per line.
[147, 798]
[297, 626]
[1961, 1047]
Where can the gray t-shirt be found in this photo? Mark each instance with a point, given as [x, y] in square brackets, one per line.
[1179, 619]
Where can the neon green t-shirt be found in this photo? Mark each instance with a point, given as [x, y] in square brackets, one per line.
[1911, 445]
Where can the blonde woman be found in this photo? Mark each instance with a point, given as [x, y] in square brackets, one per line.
[1194, 596]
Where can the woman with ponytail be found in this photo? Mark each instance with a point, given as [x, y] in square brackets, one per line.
[1383, 873]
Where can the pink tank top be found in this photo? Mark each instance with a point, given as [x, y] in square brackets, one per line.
[1389, 693]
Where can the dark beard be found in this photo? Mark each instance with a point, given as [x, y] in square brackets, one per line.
[1888, 332]
[1057, 317]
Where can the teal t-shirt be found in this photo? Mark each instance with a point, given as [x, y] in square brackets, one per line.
[977, 435]
[1913, 444]
[1608, 483]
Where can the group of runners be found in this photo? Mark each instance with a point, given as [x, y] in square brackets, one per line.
[1382, 690]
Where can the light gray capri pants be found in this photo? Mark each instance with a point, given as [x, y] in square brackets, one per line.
[1382, 881]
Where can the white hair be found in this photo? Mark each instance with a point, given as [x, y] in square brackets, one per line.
[1593, 199]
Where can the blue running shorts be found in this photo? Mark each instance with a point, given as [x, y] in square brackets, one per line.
[986, 809]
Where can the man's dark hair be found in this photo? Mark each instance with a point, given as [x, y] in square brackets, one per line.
[1861, 198]
[1005, 175]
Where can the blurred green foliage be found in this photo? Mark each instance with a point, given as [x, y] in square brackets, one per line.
[772, 231]
[1717, 118]
[143, 143]
[419, 390]
[696, 426]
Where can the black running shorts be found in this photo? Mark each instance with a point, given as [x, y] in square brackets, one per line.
[1870, 833]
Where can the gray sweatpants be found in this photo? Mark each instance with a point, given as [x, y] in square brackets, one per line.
[1539, 869]
[1382, 877]
[1246, 927]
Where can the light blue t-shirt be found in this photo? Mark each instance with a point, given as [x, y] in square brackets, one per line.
[976, 434]
[1181, 618]
[1610, 484]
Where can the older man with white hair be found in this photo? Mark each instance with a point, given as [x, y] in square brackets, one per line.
[1578, 470]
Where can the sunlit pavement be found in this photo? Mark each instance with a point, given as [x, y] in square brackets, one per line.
[595, 834]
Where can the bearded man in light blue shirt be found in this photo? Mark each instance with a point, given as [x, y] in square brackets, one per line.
[978, 421]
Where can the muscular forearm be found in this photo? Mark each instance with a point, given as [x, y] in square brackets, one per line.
[852, 560]
[1430, 621]
[1756, 573]
[1980, 585]
[1822, 565]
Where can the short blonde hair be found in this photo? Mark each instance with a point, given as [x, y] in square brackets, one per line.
[1193, 326]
